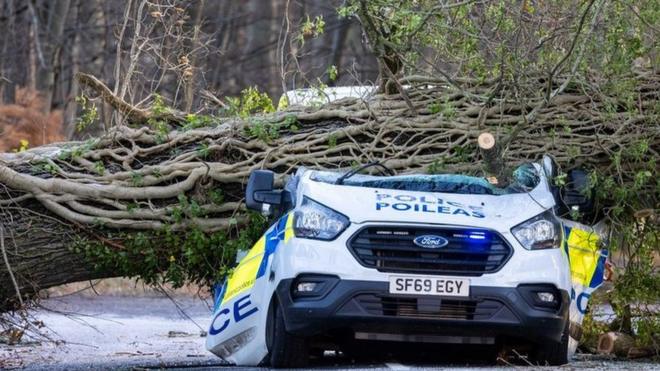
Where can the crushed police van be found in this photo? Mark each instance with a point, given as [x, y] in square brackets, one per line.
[354, 258]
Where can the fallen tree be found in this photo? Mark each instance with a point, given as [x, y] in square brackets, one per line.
[166, 197]
[622, 345]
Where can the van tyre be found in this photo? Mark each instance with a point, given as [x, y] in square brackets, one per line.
[284, 349]
[552, 353]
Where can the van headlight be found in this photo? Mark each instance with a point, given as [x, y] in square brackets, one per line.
[541, 232]
[315, 221]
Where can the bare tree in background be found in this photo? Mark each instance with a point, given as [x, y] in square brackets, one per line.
[53, 43]
[168, 47]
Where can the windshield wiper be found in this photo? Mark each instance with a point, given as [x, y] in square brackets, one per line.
[349, 174]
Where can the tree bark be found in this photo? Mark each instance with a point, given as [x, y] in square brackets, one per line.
[38, 251]
[71, 106]
[260, 46]
[337, 49]
[8, 75]
[55, 39]
[615, 343]
[493, 159]
[191, 75]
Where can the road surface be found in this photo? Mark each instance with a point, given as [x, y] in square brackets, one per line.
[133, 333]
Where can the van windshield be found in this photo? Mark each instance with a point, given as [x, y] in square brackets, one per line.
[525, 178]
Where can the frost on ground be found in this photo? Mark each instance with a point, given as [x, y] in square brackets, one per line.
[115, 332]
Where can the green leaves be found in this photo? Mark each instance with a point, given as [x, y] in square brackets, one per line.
[195, 121]
[510, 40]
[158, 106]
[267, 130]
[216, 196]
[332, 72]
[250, 102]
[175, 258]
[136, 179]
[99, 167]
[560, 179]
[203, 150]
[41, 167]
[436, 167]
[88, 113]
[332, 141]
[311, 28]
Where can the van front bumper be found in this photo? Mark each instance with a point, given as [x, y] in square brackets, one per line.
[368, 310]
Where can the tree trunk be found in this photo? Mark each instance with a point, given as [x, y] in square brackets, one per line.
[71, 106]
[138, 180]
[337, 49]
[55, 32]
[190, 74]
[615, 343]
[260, 46]
[494, 162]
[38, 251]
[8, 75]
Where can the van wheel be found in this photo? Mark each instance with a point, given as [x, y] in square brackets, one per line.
[552, 353]
[284, 349]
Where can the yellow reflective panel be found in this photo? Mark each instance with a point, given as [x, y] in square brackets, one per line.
[584, 253]
[288, 229]
[245, 273]
[256, 250]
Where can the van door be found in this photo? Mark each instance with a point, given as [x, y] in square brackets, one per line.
[241, 302]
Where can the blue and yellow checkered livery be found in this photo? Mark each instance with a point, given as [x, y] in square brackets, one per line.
[253, 266]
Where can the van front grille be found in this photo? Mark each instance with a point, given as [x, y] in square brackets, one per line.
[428, 307]
[468, 252]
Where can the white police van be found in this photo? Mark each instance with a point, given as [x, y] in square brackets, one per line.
[354, 259]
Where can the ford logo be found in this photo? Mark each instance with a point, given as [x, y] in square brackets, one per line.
[430, 241]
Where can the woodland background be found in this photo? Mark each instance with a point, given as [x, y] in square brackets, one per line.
[222, 47]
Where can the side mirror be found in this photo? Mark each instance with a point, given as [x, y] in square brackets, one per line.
[576, 193]
[260, 195]
[549, 166]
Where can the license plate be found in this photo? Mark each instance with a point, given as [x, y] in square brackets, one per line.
[439, 286]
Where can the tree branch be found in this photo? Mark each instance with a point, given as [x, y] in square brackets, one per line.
[135, 115]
